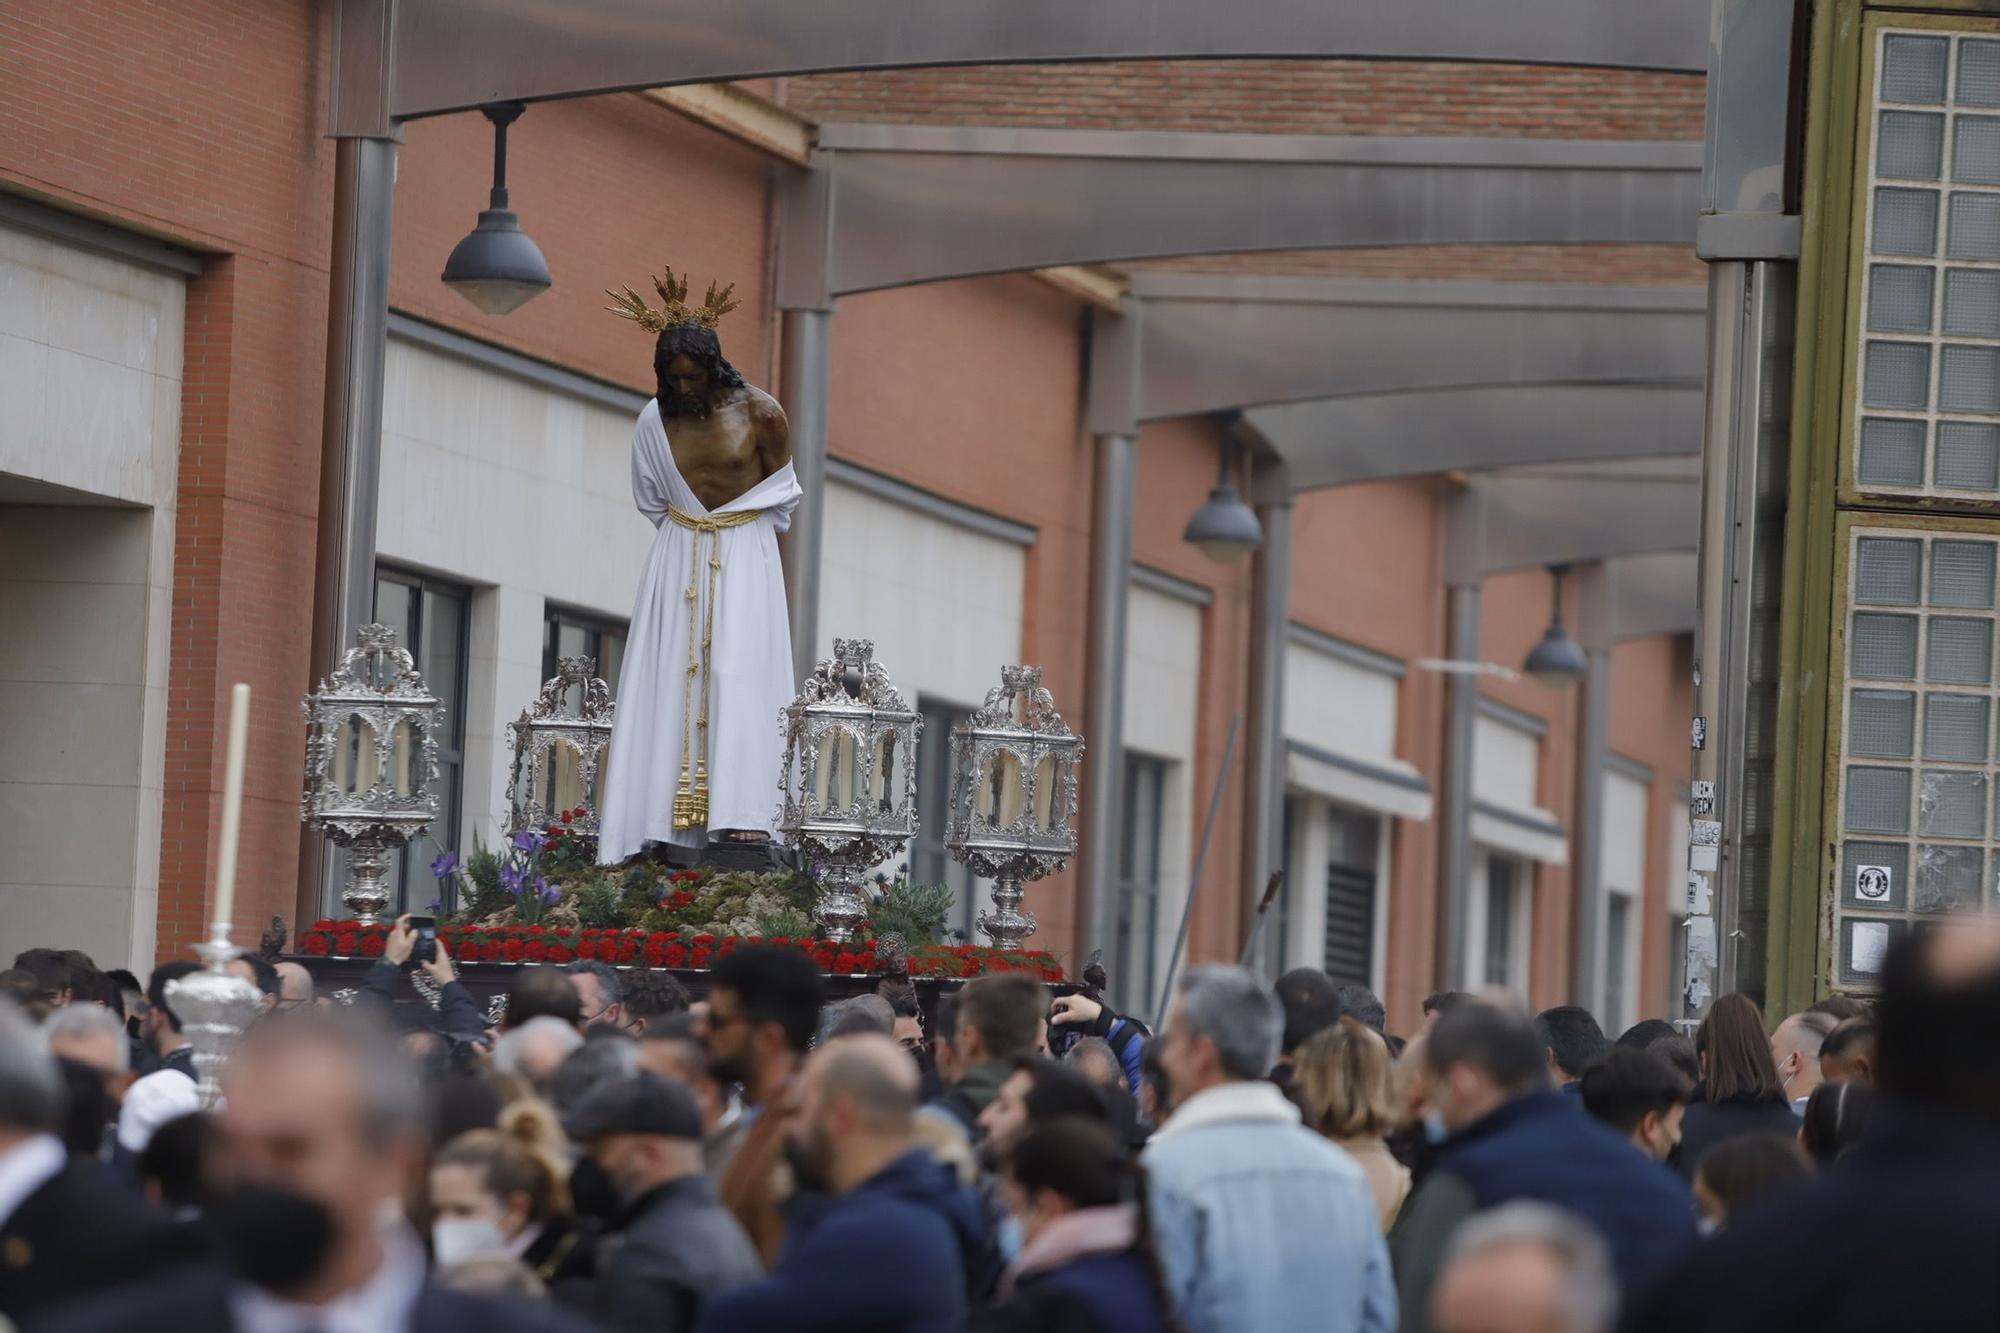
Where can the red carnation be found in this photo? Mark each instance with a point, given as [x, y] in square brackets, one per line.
[536, 951]
[844, 963]
[343, 943]
[626, 950]
[567, 816]
[558, 954]
[371, 946]
[322, 924]
[314, 944]
[489, 950]
[676, 954]
[699, 958]
[866, 963]
[704, 938]
[513, 951]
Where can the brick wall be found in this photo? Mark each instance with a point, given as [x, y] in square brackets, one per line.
[1274, 97]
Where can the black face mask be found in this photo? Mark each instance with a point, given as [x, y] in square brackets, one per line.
[592, 1192]
[272, 1237]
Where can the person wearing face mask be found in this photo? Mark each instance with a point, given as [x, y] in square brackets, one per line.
[318, 1140]
[494, 1191]
[1641, 1096]
[1087, 1263]
[1510, 1136]
[676, 1248]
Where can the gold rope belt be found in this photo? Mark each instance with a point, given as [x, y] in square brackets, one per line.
[691, 800]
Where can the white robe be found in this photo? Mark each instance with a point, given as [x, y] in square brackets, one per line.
[750, 661]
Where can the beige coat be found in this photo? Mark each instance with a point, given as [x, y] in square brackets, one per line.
[1388, 1179]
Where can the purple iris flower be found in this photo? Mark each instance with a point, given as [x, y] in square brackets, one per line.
[434, 906]
[551, 895]
[527, 840]
[512, 877]
[446, 864]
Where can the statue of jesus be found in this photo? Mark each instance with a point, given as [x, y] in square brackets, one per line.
[708, 661]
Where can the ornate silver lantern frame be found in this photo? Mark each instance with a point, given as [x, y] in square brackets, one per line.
[371, 760]
[849, 783]
[214, 1006]
[558, 753]
[1013, 796]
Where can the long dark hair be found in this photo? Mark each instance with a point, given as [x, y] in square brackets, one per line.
[1082, 1161]
[1735, 1053]
[1836, 1114]
[699, 345]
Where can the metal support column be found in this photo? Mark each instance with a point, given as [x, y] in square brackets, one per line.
[1461, 712]
[802, 393]
[1104, 771]
[1270, 630]
[351, 427]
[1595, 632]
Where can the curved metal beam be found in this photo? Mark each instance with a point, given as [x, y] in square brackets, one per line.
[455, 54]
[1372, 437]
[1517, 518]
[1197, 343]
[893, 205]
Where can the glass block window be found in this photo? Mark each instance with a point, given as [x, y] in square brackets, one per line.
[1927, 367]
[1919, 804]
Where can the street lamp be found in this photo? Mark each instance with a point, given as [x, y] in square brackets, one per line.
[1558, 660]
[1224, 528]
[497, 267]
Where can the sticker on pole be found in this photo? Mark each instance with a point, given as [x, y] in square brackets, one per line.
[1697, 895]
[1701, 800]
[1698, 734]
[1872, 883]
[1705, 833]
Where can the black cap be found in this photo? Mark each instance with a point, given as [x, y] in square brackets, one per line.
[640, 1104]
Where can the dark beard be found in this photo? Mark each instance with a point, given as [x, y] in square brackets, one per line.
[683, 405]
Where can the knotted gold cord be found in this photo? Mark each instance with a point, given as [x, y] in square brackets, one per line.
[691, 800]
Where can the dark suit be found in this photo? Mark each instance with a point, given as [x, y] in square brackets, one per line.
[196, 1300]
[183, 1060]
[82, 1232]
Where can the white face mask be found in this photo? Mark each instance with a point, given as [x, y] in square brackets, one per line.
[458, 1238]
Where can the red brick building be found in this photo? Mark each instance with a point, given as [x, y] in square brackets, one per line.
[169, 185]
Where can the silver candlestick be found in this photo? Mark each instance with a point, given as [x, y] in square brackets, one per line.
[214, 1007]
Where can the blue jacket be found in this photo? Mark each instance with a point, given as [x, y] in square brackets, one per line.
[1262, 1224]
[1096, 1293]
[889, 1256]
[1544, 1146]
[1128, 1042]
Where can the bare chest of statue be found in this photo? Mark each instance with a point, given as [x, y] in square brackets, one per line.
[719, 455]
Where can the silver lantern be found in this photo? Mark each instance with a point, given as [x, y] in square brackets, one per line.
[371, 759]
[1013, 796]
[850, 777]
[559, 751]
[214, 1006]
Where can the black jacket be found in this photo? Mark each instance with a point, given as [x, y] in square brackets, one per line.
[1902, 1233]
[80, 1233]
[196, 1300]
[1096, 1293]
[564, 1257]
[1709, 1123]
[678, 1247]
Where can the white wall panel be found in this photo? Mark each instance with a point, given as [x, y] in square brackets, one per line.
[1162, 701]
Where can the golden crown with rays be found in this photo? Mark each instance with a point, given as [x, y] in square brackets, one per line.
[676, 310]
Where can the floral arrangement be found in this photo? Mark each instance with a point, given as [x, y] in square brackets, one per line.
[538, 943]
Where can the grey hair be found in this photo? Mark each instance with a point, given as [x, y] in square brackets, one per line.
[90, 1020]
[31, 1091]
[604, 1059]
[1590, 1288]
[610, 986]
[1094, 1048]
[863, 1013]
[542, 1027]
[1235, 1009]
[389, 1100]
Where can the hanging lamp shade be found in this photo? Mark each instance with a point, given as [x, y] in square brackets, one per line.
[497, 267]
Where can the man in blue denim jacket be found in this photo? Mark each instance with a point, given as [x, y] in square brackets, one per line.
[1261, 1224]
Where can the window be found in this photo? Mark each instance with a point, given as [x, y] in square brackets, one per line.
[929, 863]
[1350, 895]
[1506, 941]
[1617, 974]
[1139, 882]
[429, 617]
[579, 634]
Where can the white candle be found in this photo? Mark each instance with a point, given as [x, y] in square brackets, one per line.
[232, 803]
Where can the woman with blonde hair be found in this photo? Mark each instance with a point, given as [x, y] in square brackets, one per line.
[1343, 1074]
[505, 1192]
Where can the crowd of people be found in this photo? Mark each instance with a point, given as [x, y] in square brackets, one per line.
[620, 1155]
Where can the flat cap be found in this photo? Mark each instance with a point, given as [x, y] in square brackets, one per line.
[641, 1103]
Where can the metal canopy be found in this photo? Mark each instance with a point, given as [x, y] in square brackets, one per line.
[1372, 437]
[1653, 594]
[1517, 518]
[1193, 343]
[892, 205]
[455, 54]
